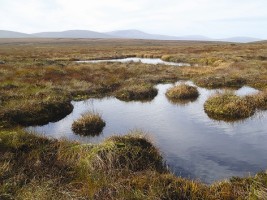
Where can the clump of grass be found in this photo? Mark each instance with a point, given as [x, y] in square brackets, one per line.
[251, 187]
[181, 102]
[260, 100]
[228, 107]
[121, 167]
[182, 92]
[90, 123]
[220, 81]
[166, 58]
[142, 92]
[132, 152]
[45, 189]
[37, 109]
[28, 158]
[154, 185]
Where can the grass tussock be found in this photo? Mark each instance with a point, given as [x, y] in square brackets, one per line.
[90, 123]
[227, 106]
[132, 152]
[32, 106]
[154, 185]
[121, 167]
[141, 92]
[220, 82]
[260, 100]
[129, 153]
[182, 92]
[30, 113]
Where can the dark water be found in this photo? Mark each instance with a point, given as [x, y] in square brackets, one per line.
[193, 145]
[153, 61]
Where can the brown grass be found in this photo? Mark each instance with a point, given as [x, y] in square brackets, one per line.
[39, 78]
[182, 92]
[260, 100]
[121, 167]
[140, 92]
[227, 106]
[90, 123]
[35, 68]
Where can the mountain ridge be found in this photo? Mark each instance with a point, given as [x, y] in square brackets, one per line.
[129, 34]
[72, 34]
[14, 34]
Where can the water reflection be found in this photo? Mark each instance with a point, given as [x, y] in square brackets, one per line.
[193, 145]
[153, 61]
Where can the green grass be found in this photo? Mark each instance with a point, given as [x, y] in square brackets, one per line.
[90, 123]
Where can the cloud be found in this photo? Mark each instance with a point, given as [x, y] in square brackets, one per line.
[174, 17]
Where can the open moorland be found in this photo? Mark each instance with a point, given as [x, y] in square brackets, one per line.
[40, 77]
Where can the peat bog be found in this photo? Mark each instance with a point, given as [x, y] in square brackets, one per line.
[180, 130]
[41, 82]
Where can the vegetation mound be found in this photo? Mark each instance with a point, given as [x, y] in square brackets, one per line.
[89, 124]
[121, 167]
[220, 82]
[228, 107]
[35, 111]
[133, 152]
[139, 92]
[182, 92]
[260, 100]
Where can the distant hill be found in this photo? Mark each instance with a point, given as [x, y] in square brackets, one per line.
[196, 38]
[241, 39]
[13, 34]
[72, 34]
[136, 34]
[130, 34]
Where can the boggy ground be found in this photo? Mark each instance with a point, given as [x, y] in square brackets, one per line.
[38, 80]
[125, 167]
[39, 76]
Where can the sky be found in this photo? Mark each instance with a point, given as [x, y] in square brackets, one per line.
[216, 19]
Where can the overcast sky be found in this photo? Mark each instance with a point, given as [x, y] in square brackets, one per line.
[212, 18]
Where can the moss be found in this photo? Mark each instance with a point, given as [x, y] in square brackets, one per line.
[182, 92]
[227, 106]
[140, 92]
[89, 124]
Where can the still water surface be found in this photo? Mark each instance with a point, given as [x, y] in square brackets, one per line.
[153, 61]
[193, 145]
